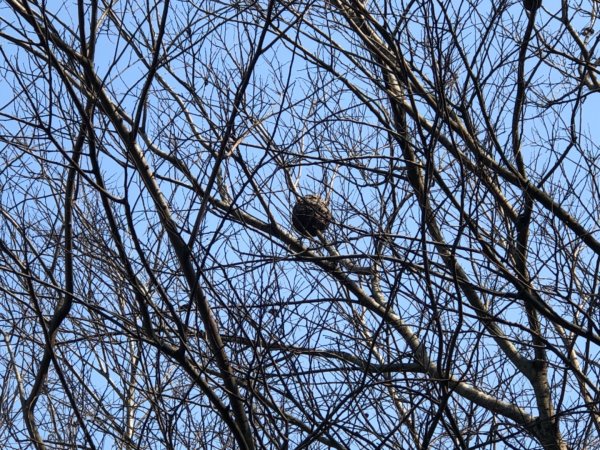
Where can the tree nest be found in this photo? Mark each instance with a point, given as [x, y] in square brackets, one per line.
[532, 5]
[311, 215]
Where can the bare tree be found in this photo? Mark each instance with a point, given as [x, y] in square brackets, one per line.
[436, 288]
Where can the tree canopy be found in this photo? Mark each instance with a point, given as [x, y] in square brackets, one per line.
[156, 292]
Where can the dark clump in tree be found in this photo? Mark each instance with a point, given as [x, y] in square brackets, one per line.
[532, 5]
[311, 215]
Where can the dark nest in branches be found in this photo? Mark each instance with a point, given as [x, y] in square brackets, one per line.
[532, 5]
[311, 215]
